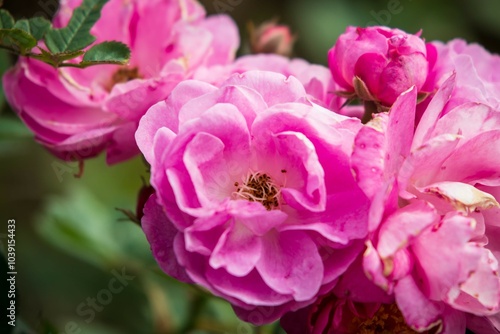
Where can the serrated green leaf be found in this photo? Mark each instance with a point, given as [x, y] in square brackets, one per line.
[18, 38]
[107, 52]
[36, 27]
[23, 25]
[76, 35]
[6, 20]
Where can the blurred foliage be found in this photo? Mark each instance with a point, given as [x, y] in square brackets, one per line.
[5, 63]
[70, 237]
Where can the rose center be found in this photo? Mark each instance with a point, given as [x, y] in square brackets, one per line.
[388, 319]
[259, 187]
[123, 75]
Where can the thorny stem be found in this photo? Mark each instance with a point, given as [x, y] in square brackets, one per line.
[55, 63]
[80, 65]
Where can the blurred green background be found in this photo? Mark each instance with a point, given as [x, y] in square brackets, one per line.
[69, 236]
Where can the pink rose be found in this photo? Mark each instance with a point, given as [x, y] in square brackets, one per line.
[378, 63]
[316, 79]
[79, 113]
[434, 216]
[255, 200]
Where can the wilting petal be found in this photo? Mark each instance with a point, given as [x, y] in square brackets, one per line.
[463, 197]
[446, 256]
[480, 294]
[402, 227]
[374, 268]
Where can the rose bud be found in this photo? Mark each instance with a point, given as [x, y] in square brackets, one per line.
[378, 64]
[270, 37]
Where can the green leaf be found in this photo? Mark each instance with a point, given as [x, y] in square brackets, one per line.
[81, 225]
[6, 20]
[37, 26]
[5, 63]
[18, 38]
[76, 35]
[23, 25]
[107, 53]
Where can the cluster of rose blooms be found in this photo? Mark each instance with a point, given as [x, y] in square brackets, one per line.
[270, 192]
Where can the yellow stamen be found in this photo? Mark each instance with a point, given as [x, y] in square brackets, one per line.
[387, 320]
[259, 187]
[123, 75]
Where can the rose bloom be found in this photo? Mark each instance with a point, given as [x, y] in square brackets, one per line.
[79, 113]
[255, 200]
[378, 63]
[435, 214]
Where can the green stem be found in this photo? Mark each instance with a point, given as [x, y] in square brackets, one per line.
[197, 303]
[54, 62]
[277, 328]
[8, 48]
[72, 65]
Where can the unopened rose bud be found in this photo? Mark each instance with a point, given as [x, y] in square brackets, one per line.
[378, 63]
[270, 37]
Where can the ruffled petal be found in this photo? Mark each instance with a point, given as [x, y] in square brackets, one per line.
[291, 265]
